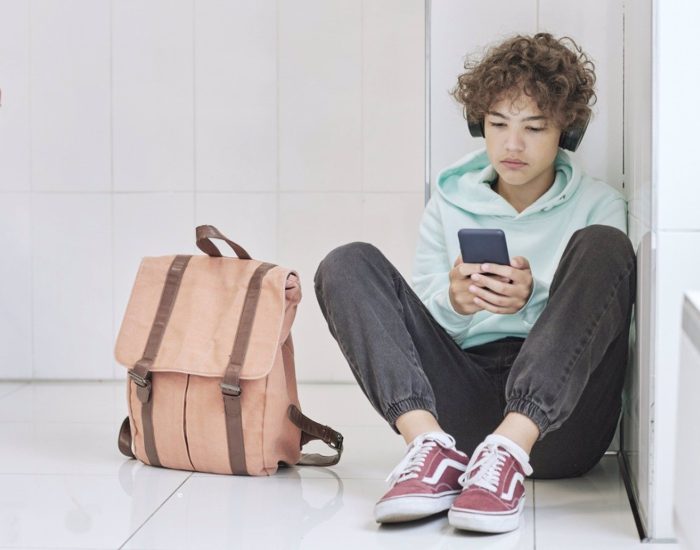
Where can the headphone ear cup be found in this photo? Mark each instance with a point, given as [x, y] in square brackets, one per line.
[476, 127]
[571, 137]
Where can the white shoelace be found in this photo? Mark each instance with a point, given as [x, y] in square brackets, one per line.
[489, 468]
[494, 451]
[414, 459]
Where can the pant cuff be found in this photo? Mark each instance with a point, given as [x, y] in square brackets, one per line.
[411, 404]
[532, 410]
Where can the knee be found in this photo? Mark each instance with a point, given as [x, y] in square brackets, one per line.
[607, 241]
[344, 263]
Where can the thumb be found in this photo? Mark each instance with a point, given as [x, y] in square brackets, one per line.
[458, 261]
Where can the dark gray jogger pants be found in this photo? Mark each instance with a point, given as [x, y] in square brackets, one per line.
[567, 375]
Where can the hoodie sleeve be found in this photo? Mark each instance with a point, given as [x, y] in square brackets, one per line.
[431, 272]
[613, 213]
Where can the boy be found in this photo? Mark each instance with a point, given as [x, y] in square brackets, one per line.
[521, 366]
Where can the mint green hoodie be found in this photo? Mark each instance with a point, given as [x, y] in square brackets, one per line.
[463, 198]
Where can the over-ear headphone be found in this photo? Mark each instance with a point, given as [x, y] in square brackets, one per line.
[570, 138]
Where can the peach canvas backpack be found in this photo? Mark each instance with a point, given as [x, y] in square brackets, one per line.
[208, 348]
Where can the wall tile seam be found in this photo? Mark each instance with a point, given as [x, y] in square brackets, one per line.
[277, 129]
[194, 112]
[30, 157]
[362, 97]
[111, 182]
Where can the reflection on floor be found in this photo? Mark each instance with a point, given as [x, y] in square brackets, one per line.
[63, 484]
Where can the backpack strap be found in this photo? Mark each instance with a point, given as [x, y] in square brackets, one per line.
[140, 374]
[311, 430]
[230, 385]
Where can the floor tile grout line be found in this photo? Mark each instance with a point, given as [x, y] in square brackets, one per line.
[154, 512]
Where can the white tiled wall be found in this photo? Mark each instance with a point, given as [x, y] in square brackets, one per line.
[235, 96]
[153, 86]
[70, 95]
[72, 270]
[294, 127]
[320, 58]
[14, 120]
[16, 287]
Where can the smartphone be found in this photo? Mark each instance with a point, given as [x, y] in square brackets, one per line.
[480, 246]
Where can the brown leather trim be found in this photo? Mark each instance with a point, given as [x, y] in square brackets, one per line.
[140, 373]
[311, 430]
[230, 385]
[124, 441]
[207, 232]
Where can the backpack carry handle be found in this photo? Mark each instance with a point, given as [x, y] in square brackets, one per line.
[207, 232]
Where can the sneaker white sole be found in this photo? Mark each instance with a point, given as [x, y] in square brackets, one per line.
[485, 522]
[411, 508]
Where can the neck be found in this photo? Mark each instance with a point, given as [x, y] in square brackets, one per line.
[522, 196]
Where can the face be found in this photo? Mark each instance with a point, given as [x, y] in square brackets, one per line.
[519, 132]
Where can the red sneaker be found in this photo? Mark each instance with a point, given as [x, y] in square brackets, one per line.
[425, 482]
[494, 488]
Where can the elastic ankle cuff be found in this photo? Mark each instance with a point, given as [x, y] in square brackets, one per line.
[532, 410]
[406, 405]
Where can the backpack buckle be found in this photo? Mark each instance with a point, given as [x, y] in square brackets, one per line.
[231, 390]
[141, 381]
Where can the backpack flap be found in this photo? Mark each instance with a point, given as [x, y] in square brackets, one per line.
[205, 317]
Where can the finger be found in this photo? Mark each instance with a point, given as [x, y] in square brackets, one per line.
[491, 297]
[467, 269]
[490, 307]
[512, 290]
[513, 275]
[497, 277]
[457, 261]
[494, 284]
[498, 269]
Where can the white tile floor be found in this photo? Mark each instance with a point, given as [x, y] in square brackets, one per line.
[63, 484]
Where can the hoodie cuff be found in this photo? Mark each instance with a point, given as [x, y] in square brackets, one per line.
[529, 300]
[441, 308]
[535, 304]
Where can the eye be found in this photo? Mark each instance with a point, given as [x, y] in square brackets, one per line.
[535, 129]
[497, 124]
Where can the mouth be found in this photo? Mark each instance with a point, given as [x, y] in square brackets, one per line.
[513, 163]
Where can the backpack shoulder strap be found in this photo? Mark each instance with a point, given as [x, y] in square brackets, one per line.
[311, 430]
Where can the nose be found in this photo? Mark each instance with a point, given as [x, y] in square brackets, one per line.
[514, 140]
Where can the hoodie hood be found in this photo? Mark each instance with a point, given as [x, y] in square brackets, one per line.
[467, 185]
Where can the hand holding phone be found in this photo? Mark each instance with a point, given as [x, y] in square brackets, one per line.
[502, 288]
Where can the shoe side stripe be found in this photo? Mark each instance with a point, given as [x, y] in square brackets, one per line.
[444, 464]
[513, 484]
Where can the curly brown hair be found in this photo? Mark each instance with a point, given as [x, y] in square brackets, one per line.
[558, 78]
